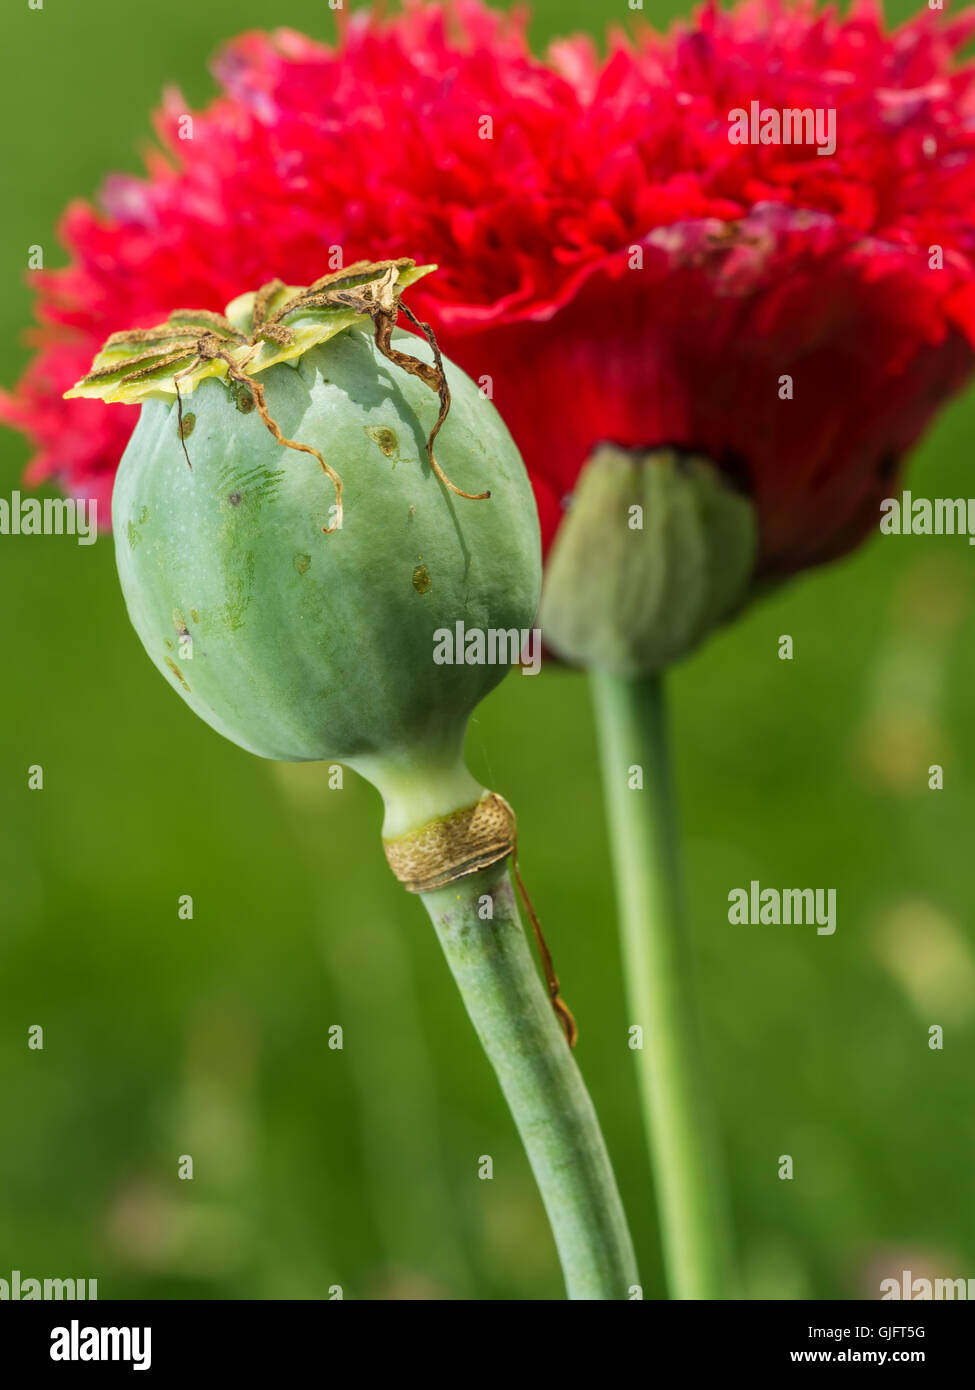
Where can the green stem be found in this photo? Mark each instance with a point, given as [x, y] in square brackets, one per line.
[632, 726]
[510, 1010]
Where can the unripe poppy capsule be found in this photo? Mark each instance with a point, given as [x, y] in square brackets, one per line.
[299, 626]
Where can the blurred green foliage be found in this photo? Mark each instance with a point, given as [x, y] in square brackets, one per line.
[209, 1037]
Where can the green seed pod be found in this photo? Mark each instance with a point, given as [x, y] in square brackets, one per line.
[299, 639]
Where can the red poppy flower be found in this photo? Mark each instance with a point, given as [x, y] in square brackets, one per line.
[615, 265]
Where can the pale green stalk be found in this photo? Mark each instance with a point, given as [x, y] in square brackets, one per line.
[690, 1185]
[510, 1009]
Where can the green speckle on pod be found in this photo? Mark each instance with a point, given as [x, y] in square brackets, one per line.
[335, 662]
[422, 582]
[178, 674]
[133, 529]
[189, 424]
[238, 590]
[243, 397]
[384, 437]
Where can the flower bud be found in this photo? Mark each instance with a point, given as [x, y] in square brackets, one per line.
[656, 550]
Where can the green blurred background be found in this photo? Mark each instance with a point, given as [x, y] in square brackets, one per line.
[316, 1167]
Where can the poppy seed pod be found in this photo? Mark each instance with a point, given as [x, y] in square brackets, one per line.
[291, 595]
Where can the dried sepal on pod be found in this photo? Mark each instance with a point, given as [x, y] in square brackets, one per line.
[277, 323]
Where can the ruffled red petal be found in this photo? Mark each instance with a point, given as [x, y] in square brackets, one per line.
[437, 134]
